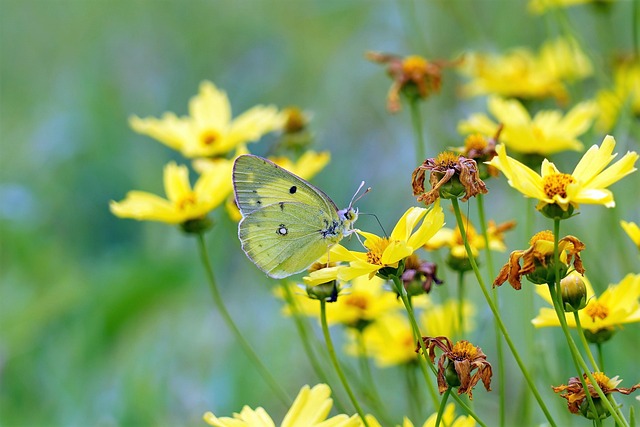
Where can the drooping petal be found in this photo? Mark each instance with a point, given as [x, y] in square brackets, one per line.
[518, 175]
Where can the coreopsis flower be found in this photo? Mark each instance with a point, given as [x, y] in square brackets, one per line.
[632, 230]
[625, 91]
[419, 275]
[183, 204]
[310, 409]
[451, 176]
[457, 363]
[525, 75]
[481, 149]
[560, 193]
[385, 254]
[448, 419]
[413, 76]
[209, 130]
[539, 7]
[538, 260]
[603, 315]
[360, 303]
[548, 132]
[576, 395]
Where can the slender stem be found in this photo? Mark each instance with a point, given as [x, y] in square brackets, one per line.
[443, 404]
[336, 365]
[461, 304]
[556, 297]
[303, 333]
[412, 396]
[498, 318]
[635, 17]
[416, 121]
[584, 342]
[600, 356]
[496, 300]
[217, 299]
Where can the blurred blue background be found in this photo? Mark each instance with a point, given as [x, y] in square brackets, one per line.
[110, 322]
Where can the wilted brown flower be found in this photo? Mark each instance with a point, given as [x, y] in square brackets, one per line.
[419, 275]
[451, 177]
[460, 359]
[538, 260]
[576, 396]
[412, 75]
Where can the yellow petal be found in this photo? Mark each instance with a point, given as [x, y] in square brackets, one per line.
[210, 109]
[407, 223]
[310, 407]
[176, 182]
[431, 224]
[594, 160]
[170, 130]
[145, 206]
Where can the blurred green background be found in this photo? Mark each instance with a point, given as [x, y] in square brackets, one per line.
[110, 322]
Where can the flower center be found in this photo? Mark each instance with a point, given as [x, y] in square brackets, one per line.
[186, 201]
[376, 250]
[601, 379]
[446, 160]
[597, 309]
[538, 134]
[546, 235]
[556, 184]
[357, 301]
[464, 350]
[209, 137]
[475, 142]
[414, 64]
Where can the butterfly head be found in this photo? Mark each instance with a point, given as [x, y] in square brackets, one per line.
[348, 216]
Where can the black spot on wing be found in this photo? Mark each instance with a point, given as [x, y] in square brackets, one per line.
[293, 189]
[281, 206]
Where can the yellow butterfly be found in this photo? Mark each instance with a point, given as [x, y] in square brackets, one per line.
[287, 223]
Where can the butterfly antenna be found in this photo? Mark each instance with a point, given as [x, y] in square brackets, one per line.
[379, 223]
[354, 198]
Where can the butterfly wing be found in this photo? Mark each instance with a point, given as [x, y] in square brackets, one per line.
[284, 238]
[259, 182]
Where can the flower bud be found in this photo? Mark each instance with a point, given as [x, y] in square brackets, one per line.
[326, 291]
[458, 264]
[544, 274]
[601, 411]
[453, 189]
[574, 293]
[196, 226]
[451, 376]
[600, 336]
[553, 211]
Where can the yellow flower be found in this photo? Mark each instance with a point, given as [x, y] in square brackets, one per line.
[617, 305]
[626, 90]
[310, 409]
[443, 319]
[632, 229]
[307, 165]
[407, 236]
[448, 419]
[209, 130]
[453, 239]
[587, 184]
[183, 203]
[356, 306]
[525, 75]
[541, 6]
[547, 133]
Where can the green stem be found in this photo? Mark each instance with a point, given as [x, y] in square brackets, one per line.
[461, 304]
[217, 299]
[443, 404]
[600, 356]
[584, 342]
[635, 17]
[370, 386]
[303, 333]
[496, 300]
[424, 361]
[498, 318]
[416, 121]
[336, 365]
[412, 395]
[556, 296]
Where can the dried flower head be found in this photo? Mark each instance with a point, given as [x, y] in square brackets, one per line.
[451, 176]
[412, 75]
[456, 364]
[576, 396]
[538, 260]
[419, 275]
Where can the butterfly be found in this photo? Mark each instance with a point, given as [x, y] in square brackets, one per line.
[287, 224]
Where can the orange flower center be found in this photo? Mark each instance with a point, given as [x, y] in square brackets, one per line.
[602, 380]
[295, 120]
[376, 250]
[597, 309]
[464, 350]
[542, 235]
[446, 160]
[475, 142]
[209, 137]
[556, 184]
[186, 201]
[414, 64]
[357, 301]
